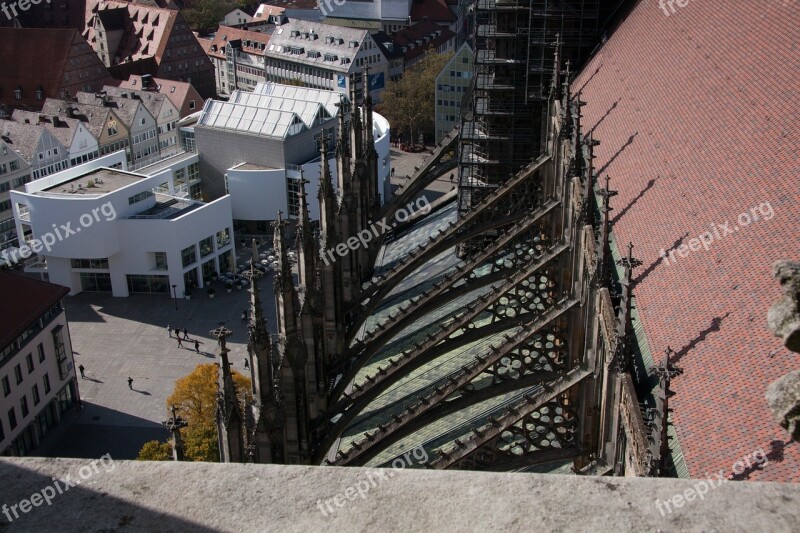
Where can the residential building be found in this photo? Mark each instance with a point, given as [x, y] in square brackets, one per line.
[109, 129]
[37, 369]
[161, 108]
[40, 63]
[182, 94]
[71, 133]
[392, 53]
[135, 37]
[270, 15]
[141, 125]
[135, 236]
[239, 58]
[452, 85]
[15, 172]
[257, 145]
[328, 57]
[417, 39]
[445, 13]
[384, 15]
[37, 146]
[237, 16]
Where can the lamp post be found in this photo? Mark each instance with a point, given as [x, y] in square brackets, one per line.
[175, 296]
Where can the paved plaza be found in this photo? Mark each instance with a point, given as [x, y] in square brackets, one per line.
[117, 338]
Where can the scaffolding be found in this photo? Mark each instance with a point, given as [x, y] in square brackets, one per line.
[503, 126]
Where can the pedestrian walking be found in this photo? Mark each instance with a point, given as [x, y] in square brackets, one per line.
[197, 346]
[244, 317]
[80, 367]
[180, 344]
[130, 383]
[177, 332]
[246, 363]
[169, 331]
[185, 334]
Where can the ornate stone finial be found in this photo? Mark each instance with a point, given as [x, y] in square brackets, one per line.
[783, 394]
[783, 317]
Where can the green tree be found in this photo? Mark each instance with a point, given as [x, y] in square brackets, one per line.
[409, 104]
[194, 398]
[155, 451]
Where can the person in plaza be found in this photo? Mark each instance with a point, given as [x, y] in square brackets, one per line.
[185, 334]
[246, 363]
[244, 317]
[180, 344]
[169, 331]
[177, 332]
[197, 346]
[81, 368]
[130, 382]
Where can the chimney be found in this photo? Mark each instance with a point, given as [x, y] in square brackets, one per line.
[42, 119]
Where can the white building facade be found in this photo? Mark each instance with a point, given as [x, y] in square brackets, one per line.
[37, 371]
[103, 229]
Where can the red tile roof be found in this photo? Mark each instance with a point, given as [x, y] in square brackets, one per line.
[435, 10]
[704, 102]
[226, 34]
[23, 301]
[422, 36]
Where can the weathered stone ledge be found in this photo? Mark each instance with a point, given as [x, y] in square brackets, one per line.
[168, 496]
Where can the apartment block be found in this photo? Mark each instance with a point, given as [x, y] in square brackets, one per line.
[182, 94]
[239, 58]
[452, 86]
[327, 57]
[38, 385]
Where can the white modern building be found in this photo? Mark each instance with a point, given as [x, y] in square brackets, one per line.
[98, 227]
[255, 146]
[37, 371]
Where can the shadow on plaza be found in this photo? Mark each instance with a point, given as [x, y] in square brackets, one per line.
[199, 315]
[98, 430]
[82, 508]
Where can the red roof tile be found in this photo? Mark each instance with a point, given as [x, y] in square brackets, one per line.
[23, 301]
[704, 102]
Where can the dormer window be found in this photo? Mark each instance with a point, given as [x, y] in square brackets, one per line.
[18, 93]
[39, 93]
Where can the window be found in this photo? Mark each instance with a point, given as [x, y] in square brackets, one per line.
[161, 260]
[142, 121]
[207, 246]
[6, 386]
[18, 93]
[12, 418]
[29, 362]
[191, 104]
[112, 130]
[18, 374]
[223, 238]
[188, 256]
[35, 394]
[23, 405]
[89, 263]
[139, 197]
[46, 382]
[40, 348]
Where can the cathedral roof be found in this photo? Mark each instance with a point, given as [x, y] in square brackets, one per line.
[698, 117]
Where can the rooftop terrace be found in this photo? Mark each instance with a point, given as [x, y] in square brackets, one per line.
[97, 182]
